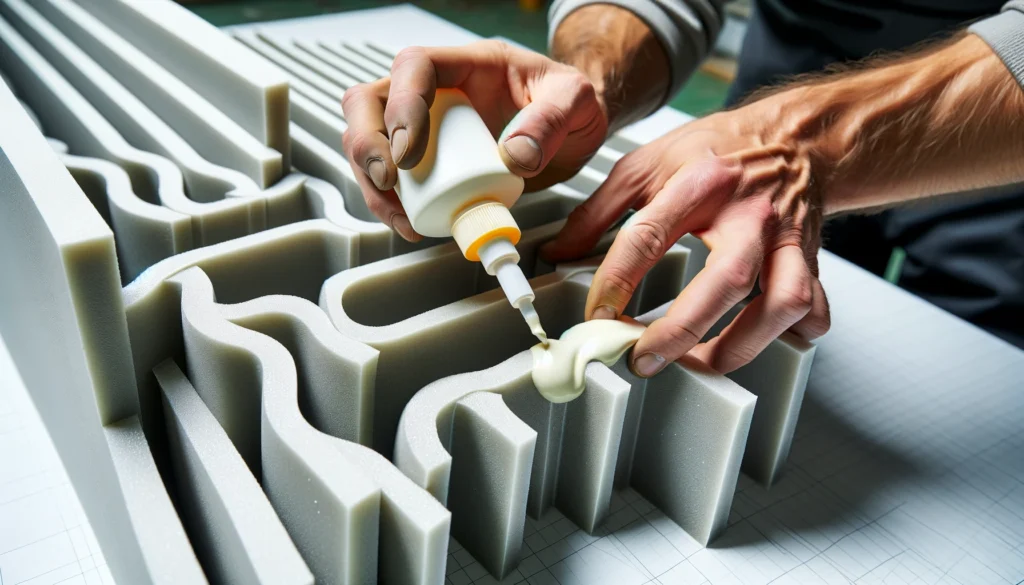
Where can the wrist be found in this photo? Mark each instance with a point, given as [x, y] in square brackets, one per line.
[620, 56]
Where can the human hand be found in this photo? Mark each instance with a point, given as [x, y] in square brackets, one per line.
[751, 198]
[548, 116]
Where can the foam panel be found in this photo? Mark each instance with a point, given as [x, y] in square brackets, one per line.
[209, 129]
[263, 383]
[233, 525]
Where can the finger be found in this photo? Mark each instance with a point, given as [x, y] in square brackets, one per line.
[365, 141]
[592, 218]
[682, 206]
[562, 102]
[727, 278]
[407, 114]
[818, 320]
[787, 295]
[386, 206]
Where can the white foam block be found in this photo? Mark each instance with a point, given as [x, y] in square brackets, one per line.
[209, 130]
[236, 532]
[402, 525]
[59, 259]
[232, 79]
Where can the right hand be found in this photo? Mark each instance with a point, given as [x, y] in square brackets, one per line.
[548, 115]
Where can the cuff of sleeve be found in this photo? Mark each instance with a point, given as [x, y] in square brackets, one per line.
[684, 51]
[1004, 32]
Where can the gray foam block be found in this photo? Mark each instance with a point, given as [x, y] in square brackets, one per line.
[289, 260]
[157, 530]
[486, 435]
[72, 119]
[237, 534]
[573, 450]
[59, 259]
[690, 441]
[146, 233]
[252, 94]
[138, 124]
[209, 130]
[336, 526]
[778, 377]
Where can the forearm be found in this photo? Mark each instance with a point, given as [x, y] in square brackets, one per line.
[637, 52]
[948, 120]
[620, 55]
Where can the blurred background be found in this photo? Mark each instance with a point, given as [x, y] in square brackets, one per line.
[523, 21]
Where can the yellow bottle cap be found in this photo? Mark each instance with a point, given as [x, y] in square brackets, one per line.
[482, 223]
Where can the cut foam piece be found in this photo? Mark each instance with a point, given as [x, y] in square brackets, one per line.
[157, 530]
[59, 259]
[199, 54]
[327, 77]
[236, 532]
[485, 435]
[133, 120]
[73, 120]
[226, 362]
[690, 472]
[573, 451]
[778, 377]
[335, 61]
[145, 233]
[356, 60]
[328, 507]
[208, 129]
[302, 81]
[294, 260]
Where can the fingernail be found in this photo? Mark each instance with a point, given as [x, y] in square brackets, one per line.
[400, 223]
[648, 365]
[524, 151]
[399, 144]
[378, 173]
[603, 312]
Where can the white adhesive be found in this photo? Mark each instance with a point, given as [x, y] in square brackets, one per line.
[559, 366]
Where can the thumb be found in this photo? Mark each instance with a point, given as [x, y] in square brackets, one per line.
[562, 104]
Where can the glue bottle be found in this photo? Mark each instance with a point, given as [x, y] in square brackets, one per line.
[461, 188]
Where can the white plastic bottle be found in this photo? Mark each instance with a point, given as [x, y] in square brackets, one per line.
[462, 189]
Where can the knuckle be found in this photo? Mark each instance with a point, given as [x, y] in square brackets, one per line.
[376, 206]
[407, 54]
[682, 335]
[795, 301]
[617, 286]
[817, 326]
[732, 357]
[359, 148]
[739, 277]
[648, 240]
[352, 95]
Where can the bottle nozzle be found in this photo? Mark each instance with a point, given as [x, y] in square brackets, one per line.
[533, 320]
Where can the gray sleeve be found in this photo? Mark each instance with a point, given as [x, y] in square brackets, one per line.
[687, 29]
[1004, 32]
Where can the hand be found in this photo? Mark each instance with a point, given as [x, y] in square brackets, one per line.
[548, 116]
[752, 200]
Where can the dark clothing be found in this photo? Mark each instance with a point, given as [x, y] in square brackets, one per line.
[852, 29]
[966, 255]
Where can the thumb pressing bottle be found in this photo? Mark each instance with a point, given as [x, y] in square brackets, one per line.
[462, 189]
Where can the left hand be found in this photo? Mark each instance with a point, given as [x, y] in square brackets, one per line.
[751, 196]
